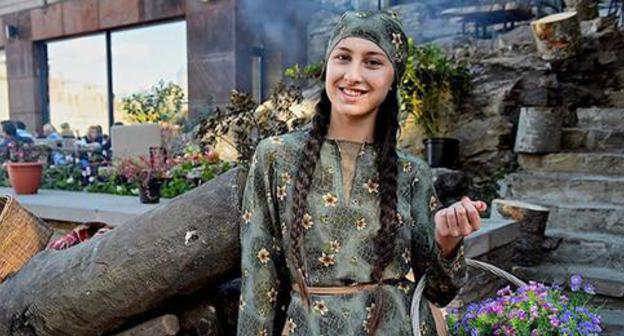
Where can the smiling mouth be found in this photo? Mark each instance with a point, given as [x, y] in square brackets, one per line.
[353, 92]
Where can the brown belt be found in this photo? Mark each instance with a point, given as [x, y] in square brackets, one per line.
[338, 290]
[438, 316]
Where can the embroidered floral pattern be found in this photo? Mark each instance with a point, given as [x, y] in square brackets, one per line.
[360, 224]
[290, 326]
[307, 221]
[330, 200]
[406, 256]
[372, 186]
[404, 288]
[241, 303]
[264, 256]
[407, 167]
[320, 307]
[285, 178]
[247, 217]
[334, 246]
[433, 203]
[281, 193]
[272, 295]
[327, 259]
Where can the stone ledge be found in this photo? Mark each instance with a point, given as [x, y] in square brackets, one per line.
[493, 234]
[78, 207]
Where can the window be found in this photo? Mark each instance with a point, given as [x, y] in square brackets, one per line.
[78, 83]
[142, 57]
[4, 88]
[78, 72]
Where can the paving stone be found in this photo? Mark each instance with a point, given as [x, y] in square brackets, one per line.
[596, 117]
[594, 139]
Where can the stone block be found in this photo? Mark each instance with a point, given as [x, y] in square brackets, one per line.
[80, 16]
[23, 94]
[211, 30]
[47, 22]
[150, 10]
[213, 75]
[115, 13]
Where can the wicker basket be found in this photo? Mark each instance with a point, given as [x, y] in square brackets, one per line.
[22, 235]
[418, 292]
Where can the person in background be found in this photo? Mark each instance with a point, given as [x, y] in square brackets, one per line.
[93, 142]
[39, 133]
[11, 138]
[66, 131]
[50, 132]
[22, 132]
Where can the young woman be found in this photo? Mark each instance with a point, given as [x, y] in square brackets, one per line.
[338, 225]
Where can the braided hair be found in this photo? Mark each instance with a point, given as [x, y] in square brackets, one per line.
[386, 128]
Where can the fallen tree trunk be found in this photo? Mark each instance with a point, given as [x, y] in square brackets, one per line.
[96, 286]
[166, 325]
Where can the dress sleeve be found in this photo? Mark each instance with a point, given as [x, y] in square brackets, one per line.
[262, 257]
[445, 276]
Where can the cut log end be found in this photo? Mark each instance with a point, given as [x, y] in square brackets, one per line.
[557, 36]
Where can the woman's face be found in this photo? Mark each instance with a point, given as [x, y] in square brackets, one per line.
[359, 76]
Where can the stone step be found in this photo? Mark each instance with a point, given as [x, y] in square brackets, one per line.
[607, 282]
[612, 321]
[592, 139]
[609, 118]
[571, 162]
[589, 248]
[565, 187]
[584, 217]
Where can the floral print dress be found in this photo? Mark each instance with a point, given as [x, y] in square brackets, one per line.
[338, 245]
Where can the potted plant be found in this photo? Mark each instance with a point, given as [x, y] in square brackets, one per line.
[148, 173]
[431, 91]
[25, 166]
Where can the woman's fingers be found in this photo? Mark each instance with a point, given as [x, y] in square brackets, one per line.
[442, 225]
[473, 215]
[462, 220]
[451, 220]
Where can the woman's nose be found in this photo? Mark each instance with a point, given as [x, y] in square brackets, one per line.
[353, 73]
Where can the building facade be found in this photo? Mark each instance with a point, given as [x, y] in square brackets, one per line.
[73, 60]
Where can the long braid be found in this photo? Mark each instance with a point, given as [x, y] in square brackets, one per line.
[307, 164]
[387, 125]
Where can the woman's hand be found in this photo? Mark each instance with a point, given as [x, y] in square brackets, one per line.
[456, 222]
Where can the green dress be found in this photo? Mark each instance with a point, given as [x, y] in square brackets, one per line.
[338, 241]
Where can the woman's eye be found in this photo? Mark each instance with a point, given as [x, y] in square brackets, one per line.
[374, 63]
[341, 57]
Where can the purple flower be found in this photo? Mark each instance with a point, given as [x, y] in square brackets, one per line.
[504, 291]
[554, 321]
[588, 288]
[575, 282]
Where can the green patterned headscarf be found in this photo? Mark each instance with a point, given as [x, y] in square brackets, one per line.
[382, 28]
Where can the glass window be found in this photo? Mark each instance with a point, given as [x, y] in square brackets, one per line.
[4, 88]
[78, 83]
[142, 57]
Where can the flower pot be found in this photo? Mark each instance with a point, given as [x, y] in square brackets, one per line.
[149, 192]
[25, 177]
[442, 152]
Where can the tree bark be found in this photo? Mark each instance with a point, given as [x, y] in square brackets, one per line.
[557, 36]
[166, 325]
[96, 286]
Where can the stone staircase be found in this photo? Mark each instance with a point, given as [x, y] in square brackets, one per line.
[583, 185]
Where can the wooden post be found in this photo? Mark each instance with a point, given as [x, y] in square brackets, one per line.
[539, 130]
[532, 219]
[557, 36]
[166, 325]
[586, 9]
